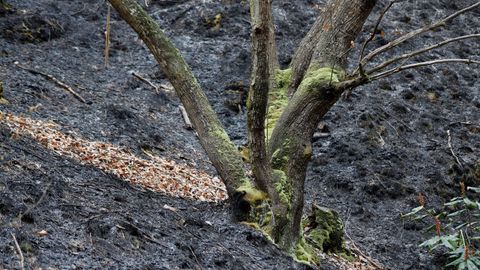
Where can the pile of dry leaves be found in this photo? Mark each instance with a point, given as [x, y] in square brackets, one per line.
[156, 173]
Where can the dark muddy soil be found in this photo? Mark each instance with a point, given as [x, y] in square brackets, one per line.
[387, 142]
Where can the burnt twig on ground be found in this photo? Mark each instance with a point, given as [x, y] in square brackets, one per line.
[136, 75]
[19, 251]
[55, 80]
[451, 149]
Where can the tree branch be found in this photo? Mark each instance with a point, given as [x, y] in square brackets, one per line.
[420, 51]
[218, 146]
[261, 14]
[303, 54]
[372, 36]
[415, 33]
[421, 64]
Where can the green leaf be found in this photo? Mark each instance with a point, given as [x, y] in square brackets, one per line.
[471, 265]
[456, 213]
[475, 260]
[456, 262]
[454, 202]
[460, 226]
[420, 217]
[413, 212]
[469, 203]
[431, 243]
[474, 189]
[446, 242]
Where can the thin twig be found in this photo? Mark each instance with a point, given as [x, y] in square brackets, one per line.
[19, 251]
[145, 80]
[451, 149]
[195, 256]
[188, 123]
[415, 33]
[42, 197]
[106, 51]
[421, 64]
[368, 259]
[55, 80]
[420, 51]
[372, 36]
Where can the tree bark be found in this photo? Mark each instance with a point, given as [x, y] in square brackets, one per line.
[264, 63]
[218, 146]
[290, 143]
[322, 38]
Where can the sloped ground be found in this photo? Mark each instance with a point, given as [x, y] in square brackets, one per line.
[387, 143]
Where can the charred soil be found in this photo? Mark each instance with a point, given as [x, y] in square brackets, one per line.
[376, 150]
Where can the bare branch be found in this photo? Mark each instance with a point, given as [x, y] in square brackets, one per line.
[420, 51]
[421, 64]
[261, 14]
[415, 33]
[372, 36]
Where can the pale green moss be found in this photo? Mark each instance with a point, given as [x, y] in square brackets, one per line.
[252, 194]
[320, 77]
[277, 99]
[305, 253]
[326, 230]
[279, 160]
[282, 186]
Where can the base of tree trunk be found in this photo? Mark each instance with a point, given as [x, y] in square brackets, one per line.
[322, 231]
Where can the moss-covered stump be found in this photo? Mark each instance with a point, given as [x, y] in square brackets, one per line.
[324, 229]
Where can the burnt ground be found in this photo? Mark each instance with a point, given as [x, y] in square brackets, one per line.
[387, 142]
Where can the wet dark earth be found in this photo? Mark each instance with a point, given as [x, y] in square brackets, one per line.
[387, 142]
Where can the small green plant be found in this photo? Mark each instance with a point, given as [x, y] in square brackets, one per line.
[456, 228]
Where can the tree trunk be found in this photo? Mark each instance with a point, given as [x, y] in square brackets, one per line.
[279, 164]
[218, 146]
[290, 144]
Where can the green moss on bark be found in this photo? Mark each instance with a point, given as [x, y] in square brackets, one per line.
[305, 253]
[318, 77]
[283, 187]
[277, 99]
[252, 195]
[326, 230]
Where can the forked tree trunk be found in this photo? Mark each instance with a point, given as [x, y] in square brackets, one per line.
[304, 94]
[319, 88]
[279, 164]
